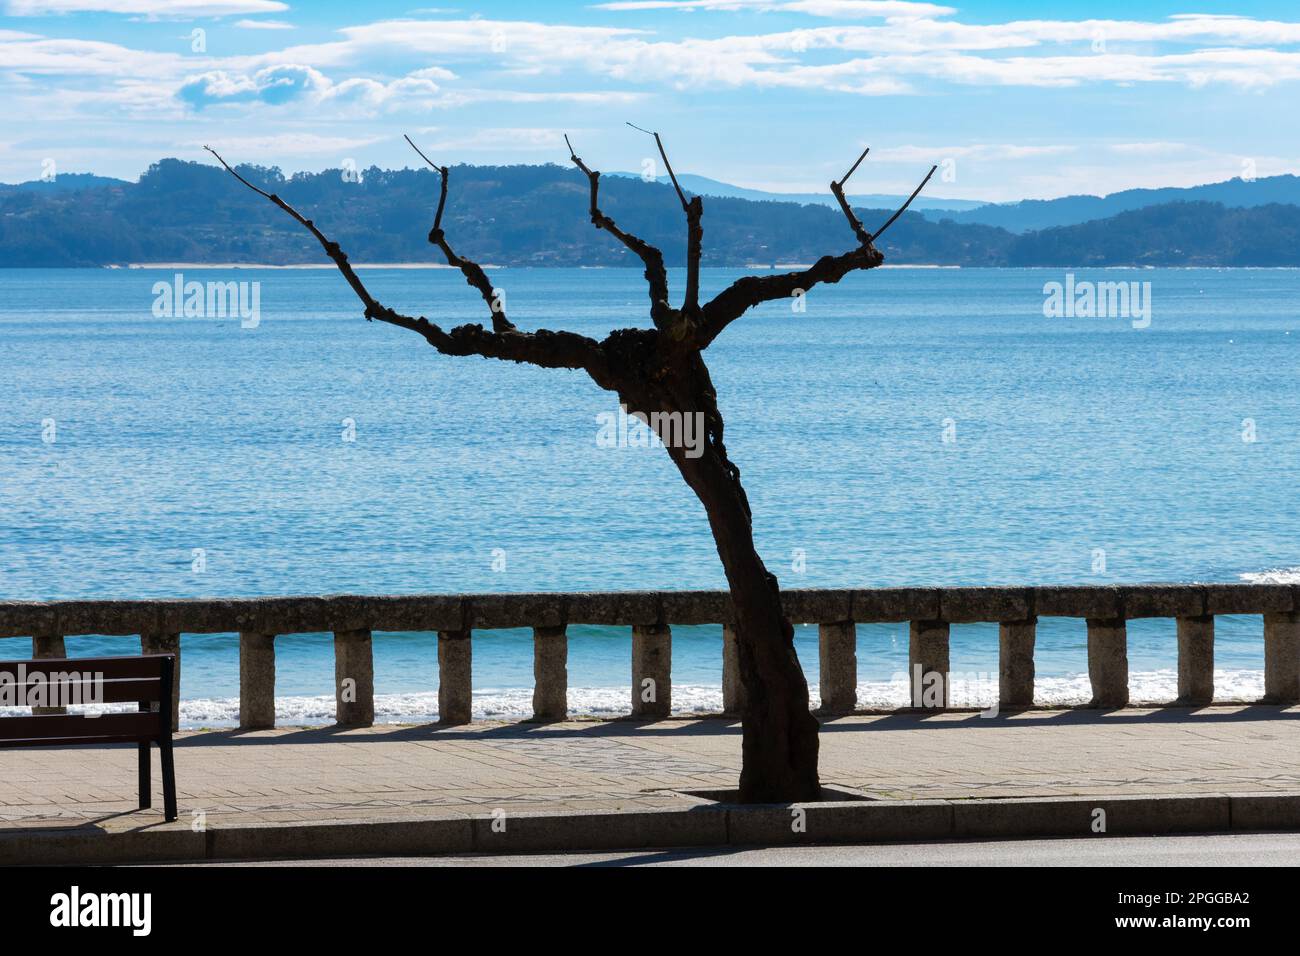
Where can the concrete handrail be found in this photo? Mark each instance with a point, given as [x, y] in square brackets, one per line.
[436, 612]
[652, 614]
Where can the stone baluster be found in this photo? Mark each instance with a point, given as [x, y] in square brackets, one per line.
[1016, 663]
[48, 646]
[1196, 659]
[652, 662]
[455, 681]
[927, 663]
[1108, 661]
[550, 673]
[256, 680]
[733, 691]
[1282, 658]
[164, 643]
[354, 679]
[837, 647]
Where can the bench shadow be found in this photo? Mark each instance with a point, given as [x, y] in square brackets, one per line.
[89, 826]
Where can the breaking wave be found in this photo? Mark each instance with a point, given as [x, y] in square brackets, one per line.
[974, 690]
[1273, 576]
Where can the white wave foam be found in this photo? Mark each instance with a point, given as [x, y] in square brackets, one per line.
[966, 690]
[1145, 687]
[1273, 576]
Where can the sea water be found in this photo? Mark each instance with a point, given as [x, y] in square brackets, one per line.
[904, 427]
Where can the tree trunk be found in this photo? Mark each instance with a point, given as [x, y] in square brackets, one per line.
[780, 742]
[779, 760]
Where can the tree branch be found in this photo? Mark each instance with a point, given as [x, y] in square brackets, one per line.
[331, 248]
[543, 348]
[667, 165]
[655, 273]
[837, 188]
[694, 250]
[743, 294]
[694, 209]
[474, 274]
[903, 208]
[442, 173]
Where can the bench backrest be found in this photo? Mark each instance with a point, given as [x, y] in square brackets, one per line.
[144, 679]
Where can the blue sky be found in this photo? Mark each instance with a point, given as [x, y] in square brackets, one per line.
[1014, 99]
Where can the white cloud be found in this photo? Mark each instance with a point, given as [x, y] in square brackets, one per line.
[974, 151]
[287, 84]
[465, 97]
[1149, 149]
[287, 144]
[895, 55]
[390, 66]
[869, 60]
[22, 53]
[815, 8]
[293, 82]
[495, 139]
[147, 8]
[264, 25]
[1244, 68]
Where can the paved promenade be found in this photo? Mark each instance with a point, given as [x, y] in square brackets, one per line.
[405, 772]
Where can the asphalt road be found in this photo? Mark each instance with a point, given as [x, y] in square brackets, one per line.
[1240, 849]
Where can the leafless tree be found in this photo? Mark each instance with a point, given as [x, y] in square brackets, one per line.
[662, 370]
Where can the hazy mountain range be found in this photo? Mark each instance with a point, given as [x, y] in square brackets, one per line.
[1029, 214]
[1045, 213]
[537, 215]
[712, 187]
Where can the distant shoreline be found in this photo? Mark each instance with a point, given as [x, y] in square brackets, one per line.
[778, 267]
[753, 266]
[294, 265]
[773, 267]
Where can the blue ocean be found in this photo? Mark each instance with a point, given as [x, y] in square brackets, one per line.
[905, 427]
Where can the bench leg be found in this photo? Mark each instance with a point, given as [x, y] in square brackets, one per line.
[169, 779]
[146, 788]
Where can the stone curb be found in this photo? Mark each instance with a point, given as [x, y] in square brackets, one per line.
[700, 825]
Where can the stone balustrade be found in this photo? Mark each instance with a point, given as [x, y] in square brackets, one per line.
[651, 615]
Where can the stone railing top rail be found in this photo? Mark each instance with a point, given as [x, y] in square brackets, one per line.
[459, 612]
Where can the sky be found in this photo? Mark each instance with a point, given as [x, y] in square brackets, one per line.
[1013, 99]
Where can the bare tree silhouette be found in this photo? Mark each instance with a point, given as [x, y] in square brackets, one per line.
[662, 370]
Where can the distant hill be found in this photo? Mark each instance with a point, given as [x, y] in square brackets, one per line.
[1178, 234]
[705, 186]
[537, 216]
[63, 182]
[1028, 214]
[506, 215]
[1031, 214]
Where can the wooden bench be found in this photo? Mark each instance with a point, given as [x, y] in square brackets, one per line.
[145, 680]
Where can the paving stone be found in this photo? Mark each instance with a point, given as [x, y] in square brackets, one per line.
[407, 773]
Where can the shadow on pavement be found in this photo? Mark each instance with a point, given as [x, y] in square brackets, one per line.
[725, 726]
